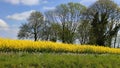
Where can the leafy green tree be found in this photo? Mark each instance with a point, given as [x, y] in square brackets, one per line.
[54, 31]
[52, 28]
[83, 32]
[33, 28]
[24, 32]
[68, 16]
[103, 16]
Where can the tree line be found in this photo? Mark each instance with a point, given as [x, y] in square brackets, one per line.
[97, 24]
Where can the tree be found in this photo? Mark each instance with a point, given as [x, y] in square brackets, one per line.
[68, 16]
[33, 28]
[83, 32]
[103, 16]
[51, 31]
[24, 32]
[54, 31]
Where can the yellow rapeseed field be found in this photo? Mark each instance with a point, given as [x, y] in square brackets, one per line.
[43, 46]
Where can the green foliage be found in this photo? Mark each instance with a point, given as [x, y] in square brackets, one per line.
[69, 16]
[83, 32]
[33, 27]
[103, 16]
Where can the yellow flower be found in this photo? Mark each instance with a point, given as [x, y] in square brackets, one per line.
[27, 45]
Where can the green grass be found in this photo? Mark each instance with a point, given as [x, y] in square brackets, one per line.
[57, 60]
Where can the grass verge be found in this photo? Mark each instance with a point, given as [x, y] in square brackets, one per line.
[58, 60]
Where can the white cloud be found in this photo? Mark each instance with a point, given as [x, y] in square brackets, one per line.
[48, 8]
[20, 16]
[9, 32]
[87, 2]
[3, 25]
[30, 2]
[24, 2]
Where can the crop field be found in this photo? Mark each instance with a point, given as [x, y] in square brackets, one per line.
[8, 45]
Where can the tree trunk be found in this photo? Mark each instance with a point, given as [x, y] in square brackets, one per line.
[115, 40]
[100, 42]
[35, 37]
[63, 33]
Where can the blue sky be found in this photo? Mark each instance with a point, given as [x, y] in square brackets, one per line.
[15, 12]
